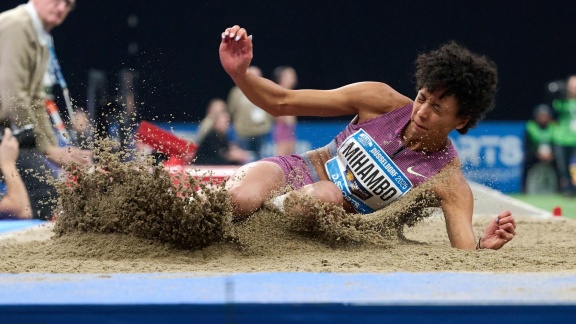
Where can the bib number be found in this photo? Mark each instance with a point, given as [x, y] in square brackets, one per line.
[365, 174]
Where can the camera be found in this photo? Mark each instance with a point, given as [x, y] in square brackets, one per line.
[24, 135]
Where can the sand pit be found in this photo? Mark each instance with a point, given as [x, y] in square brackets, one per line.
[540, 246]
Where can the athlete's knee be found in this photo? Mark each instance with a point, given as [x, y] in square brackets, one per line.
[244, 202]
[241, 201]
[331, 194]
[324, 191]
[253, 184]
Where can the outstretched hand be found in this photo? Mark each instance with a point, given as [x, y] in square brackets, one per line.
[500, 231]
[235, 51]
[65, 155]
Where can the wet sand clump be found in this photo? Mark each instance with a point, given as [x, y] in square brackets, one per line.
[138, 199]
[382, 228]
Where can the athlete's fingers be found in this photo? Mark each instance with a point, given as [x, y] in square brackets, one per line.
[241, 34]
[507, 220]
[231, 32]
[508, 227]
[504, 235]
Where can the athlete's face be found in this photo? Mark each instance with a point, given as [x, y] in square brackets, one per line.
[288, 79]
[434, 117]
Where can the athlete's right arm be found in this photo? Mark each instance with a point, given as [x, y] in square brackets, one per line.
[367, 99]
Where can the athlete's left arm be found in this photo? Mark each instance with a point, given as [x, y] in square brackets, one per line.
[457, 202]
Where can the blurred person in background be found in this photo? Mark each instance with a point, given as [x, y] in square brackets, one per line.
[564, 138]
[539, 174]
[25, 42]
[215, 147]
[251, 124]
[215, 107]
[14, 202]
[81, 129]
[284, 134]
[24, 53]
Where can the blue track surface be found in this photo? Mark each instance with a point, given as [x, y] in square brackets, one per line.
[15, 225]
[435, 288]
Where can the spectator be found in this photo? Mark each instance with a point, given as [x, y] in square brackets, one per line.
[539, 176]
[284, 133]
[81, 129]
[251, 123]
[25, 40]
[215, 148]
[24, 53]
[215, 107]
[15, 202]
[564, 137]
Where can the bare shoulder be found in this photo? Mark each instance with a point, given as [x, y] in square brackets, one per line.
[373, 98]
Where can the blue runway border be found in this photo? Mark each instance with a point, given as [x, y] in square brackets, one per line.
[436, 297]
[7, 226]
[286, 313]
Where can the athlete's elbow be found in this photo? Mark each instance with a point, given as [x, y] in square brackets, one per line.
[279, 107]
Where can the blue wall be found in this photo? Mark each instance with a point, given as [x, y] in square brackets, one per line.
[493, 154]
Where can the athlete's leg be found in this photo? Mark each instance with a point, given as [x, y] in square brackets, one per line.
[322, 191]
[252, 184]
[296, 201]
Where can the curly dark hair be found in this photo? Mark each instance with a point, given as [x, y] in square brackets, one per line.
[455, 70]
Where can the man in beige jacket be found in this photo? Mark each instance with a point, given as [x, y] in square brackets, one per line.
[24, 54]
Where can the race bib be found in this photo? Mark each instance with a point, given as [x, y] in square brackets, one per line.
[368, 178]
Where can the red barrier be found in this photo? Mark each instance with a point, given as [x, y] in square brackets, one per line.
[164, 141]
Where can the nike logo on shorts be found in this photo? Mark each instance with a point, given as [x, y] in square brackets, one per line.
[414, 172]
